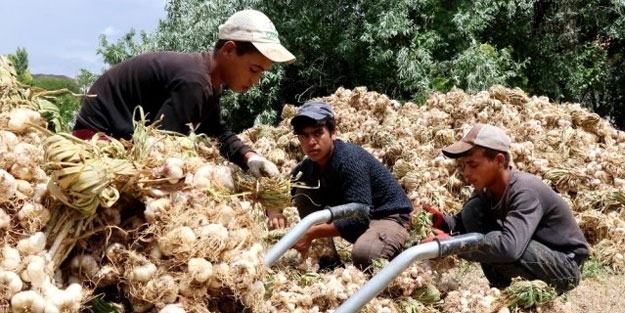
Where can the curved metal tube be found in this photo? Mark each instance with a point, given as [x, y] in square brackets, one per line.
[330, 214]
[430, 250]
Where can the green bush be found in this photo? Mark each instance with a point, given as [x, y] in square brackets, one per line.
[67, 103]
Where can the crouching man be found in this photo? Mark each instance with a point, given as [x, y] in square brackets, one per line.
[529, 229]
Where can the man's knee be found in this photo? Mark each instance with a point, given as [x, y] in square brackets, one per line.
[379, 244]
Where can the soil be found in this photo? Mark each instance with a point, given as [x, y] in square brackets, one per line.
[599, 294]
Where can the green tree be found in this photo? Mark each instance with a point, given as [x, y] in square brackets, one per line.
[66, 102]
[85, 79]
[568, 50]
[20, 63]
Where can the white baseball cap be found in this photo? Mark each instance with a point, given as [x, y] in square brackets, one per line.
[255, 27]
[483, 135]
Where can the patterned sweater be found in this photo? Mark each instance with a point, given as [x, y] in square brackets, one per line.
[354, 175]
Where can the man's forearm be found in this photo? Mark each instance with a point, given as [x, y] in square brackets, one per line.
[323, 231]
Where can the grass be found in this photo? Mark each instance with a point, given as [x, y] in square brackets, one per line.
[595, 269]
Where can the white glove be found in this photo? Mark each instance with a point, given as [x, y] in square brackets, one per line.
[259, 166]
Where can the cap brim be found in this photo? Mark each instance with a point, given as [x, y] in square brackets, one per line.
[275, 52]
[313, 116]
[458, 148]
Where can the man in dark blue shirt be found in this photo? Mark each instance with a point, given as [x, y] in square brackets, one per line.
[345, 174]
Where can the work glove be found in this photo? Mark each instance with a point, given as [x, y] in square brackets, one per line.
[259, 166]
[438, 234]
[437, 216]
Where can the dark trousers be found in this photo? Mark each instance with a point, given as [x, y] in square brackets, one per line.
[555, 268]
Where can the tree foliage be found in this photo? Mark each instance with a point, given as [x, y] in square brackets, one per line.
[20, 63]
[67, 103]
[569, 50]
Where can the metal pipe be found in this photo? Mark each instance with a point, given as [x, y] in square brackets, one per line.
[434, 249]
[328, 215]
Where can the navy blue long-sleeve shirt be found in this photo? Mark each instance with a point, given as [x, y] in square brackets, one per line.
[354, 175]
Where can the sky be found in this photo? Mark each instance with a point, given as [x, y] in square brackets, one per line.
[62, 36]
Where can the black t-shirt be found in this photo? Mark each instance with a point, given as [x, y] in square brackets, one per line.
[173, 85]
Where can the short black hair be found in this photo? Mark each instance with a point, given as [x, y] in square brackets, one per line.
[303, 122]
[490, 154]
[242, 47]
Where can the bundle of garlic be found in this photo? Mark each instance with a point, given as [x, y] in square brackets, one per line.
[272, 193]
[199, 249]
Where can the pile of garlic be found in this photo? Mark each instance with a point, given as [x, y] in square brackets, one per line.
[572, 149]
[183, 238]
[27, 273]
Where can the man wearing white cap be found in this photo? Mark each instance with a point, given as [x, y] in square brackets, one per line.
[182, 90]
[529, 229]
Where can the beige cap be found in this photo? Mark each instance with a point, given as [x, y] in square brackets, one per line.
[483, 135]
[257, 28]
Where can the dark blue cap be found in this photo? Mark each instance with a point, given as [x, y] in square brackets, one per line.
[315, 110]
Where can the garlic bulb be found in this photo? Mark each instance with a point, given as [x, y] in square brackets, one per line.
[107, 275]
[5, 220]
[39, 191]
[155, 208]
[35, 271]
[62, 300]
[215, 176]
[162, 288]
[20, 119]
[180, 239]
[116, 252]
[33, 244]
[22, 171]
[24, 187]
[172, 308]
[191, 288]
[28, 301]
[7, 186]
[200, 269]
[10, 257]
[84, 265]
[213, 238]
[11, 284]
[33, 216]
[143, 273]
[172, 170]
[8, 138]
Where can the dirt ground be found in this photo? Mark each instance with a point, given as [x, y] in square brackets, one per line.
[599, 294]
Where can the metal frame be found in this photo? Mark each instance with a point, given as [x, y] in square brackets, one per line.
[327, 215]
[435, 249]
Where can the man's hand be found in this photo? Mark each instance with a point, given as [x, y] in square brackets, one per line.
[303, 245]
[437, 216]
[276, 219]
[438, 234]
[259, 166]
